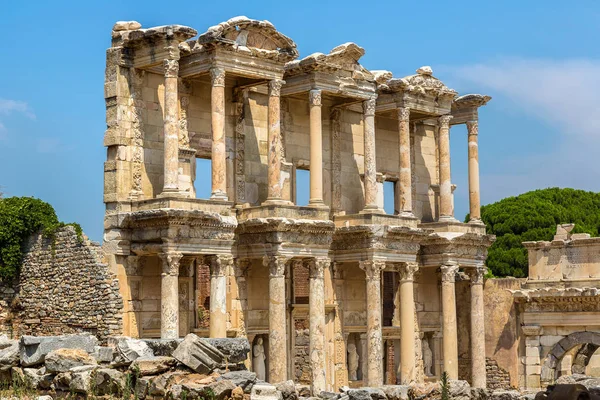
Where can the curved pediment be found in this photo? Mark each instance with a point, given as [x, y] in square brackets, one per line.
[423, 82]
[249, 35]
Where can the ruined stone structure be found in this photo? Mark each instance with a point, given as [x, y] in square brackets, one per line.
[316, 287]
[559, 308]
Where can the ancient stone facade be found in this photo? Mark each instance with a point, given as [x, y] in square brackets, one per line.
[64, 287]
[239, 96]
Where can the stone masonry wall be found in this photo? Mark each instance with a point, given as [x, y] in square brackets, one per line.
[64, 287]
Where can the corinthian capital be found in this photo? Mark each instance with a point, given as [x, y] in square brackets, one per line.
[408, 270]
[403, 113]
[217, 76]
[170, 263]
[276, 265]
[171, 68]
[314, 97]
[473, 127]
[275, 87]
[372, 268]
[444, 120]
[476, 274]
[218, 264]
[316, 267]
[449, 271]
[369, 106]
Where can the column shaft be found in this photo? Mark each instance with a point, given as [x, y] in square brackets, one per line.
[407, 323]
[474, 199]
[218, 295]
[374, 334]
[219, 156]
[449, 339]
[446, 209]
[478, 370]
[275, 145]
[171, 128]
[277, 319]
[405, 165]
[169, 295]
[317, 325]
[316, 150]
[370, 180]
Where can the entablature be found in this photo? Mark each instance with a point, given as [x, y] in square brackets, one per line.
[465, 108]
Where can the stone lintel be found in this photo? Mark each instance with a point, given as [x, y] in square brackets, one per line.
[235, 64]
[330, 84]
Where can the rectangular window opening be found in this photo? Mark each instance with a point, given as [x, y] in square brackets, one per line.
[389, 197]
[203, 178]
[302, 187]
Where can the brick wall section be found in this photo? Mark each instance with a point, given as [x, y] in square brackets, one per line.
[203, 293]
[64, 287]
[497, 378]
[301, 352]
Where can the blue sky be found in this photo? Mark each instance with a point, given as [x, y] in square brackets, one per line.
[539, 60]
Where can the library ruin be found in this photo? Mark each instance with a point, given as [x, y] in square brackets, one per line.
[332, 291]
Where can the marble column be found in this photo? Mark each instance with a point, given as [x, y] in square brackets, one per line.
[405, 180]
[478, 373]
[474, 199]
[219, 154]
[446, 208]
[275, 143]
[218, 294]
[277, 319]
[374, 327]
[316, 150]
[370, 180]
[407, 323]
[317, 323]
[171, 129]
[242, 267]
[169, 295]
[449, 339]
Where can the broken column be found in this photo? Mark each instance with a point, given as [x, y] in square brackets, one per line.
[478, 372]
[446, 208]
[373, 270]
[171, 128]
[407, 323]
[219, 155]
[317, 323]
[169, 295]
[405, 180]
[277, 319]
[449, 339]
[218, 295]
[275, 144]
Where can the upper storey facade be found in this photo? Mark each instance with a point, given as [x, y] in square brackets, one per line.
[239, 95]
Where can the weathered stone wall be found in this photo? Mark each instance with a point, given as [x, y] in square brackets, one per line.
[502, 325]
[64, 287]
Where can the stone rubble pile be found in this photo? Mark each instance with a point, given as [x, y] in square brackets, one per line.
[192, 368]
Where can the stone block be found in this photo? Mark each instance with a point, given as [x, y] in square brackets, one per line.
[460, 390]
[152, 365]
[62, 360]
[550, 340]
[163, 347]
[288, 390]
[108, 381]
[397, 392]
[37, 378]
[505, 395]
[128, 349]
[33, 350]
[103, 354]
[243, 379]
[265, 391]
[9, 356]
[81, 381]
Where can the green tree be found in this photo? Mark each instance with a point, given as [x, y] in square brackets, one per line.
[20, 217]
[533, 216]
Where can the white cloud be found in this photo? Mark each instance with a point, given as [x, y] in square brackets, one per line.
[8, 107]
[564, 95]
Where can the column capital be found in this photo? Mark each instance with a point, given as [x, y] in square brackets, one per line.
[444, 121]
[242, 266]
[316, 267]
[408, 270]
[472, 127]
[276, 265]
[369, 106]
[171, 68]
[403, 114]
[170, 263]
[314, 96]
[372, 268]
[476, 274]
[275, 87]
[217, 76]
[448, 272]
[218, 264]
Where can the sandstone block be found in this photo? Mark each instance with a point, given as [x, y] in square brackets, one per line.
[141, 387]
[397, 392]
[108, 381]
[9, 356]
[243, 379]
[265, 391]
[62, 360]
[33, 350]
[128, 349]
[153, 365]
[550, 340]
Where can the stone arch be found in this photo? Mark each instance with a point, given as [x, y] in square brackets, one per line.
[549, 373]
[582, 358]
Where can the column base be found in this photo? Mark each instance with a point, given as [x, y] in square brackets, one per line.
[317, 204]
[447, 218]
[271, 202]
[372, 209]
[171, 193]
[219, 195]
[476, 221]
